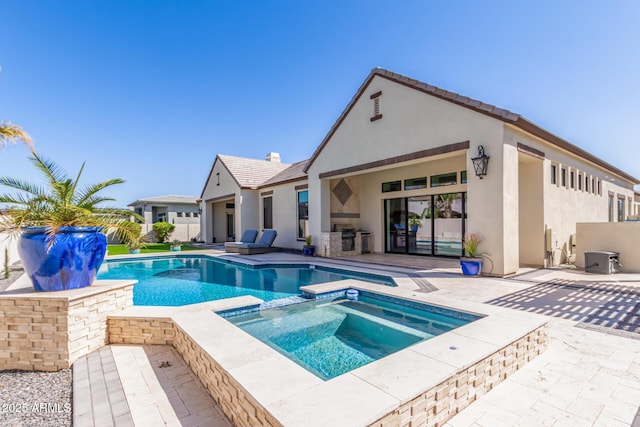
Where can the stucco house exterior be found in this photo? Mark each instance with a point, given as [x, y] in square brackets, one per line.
[181, 211]
[398, 165]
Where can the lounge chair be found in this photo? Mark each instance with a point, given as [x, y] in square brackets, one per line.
[263, 245]
[249, 236]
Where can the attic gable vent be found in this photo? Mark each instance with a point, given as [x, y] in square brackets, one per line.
[376, 106]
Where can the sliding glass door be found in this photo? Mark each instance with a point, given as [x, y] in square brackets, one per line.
[448, 224]
[396, 225]
[425, 225]
[420, 232]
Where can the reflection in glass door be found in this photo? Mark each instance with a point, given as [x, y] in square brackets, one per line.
[447, 224]
[419, 221]
[426, 225]
[395, 222]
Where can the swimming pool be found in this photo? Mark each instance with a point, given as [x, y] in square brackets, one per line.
[181, 280]
[335, 337]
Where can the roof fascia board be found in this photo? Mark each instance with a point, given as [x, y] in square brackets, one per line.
[221, 198]
[287, 181]
[549, 138]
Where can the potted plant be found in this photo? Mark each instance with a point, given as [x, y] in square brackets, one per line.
[308, 249]
[62, 242]
[415, 222]
[135, 242]
[471, 264]
[176, 245]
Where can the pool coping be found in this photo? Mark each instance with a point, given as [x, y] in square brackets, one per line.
[286, 394]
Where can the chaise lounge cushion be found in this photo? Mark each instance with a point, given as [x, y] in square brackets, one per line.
[263, 245]
[249, 236]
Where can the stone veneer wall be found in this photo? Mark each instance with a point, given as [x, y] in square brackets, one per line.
[432, 408]
[132, 330]
[439, 404]
[240, 407]
[50, 331]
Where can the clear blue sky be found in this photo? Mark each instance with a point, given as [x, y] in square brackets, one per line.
[151, 91]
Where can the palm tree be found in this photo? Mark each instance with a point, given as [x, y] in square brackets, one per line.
[61, 203]
[10, 134]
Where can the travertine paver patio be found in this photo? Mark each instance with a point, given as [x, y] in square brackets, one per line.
[146, 385]
[585, 378]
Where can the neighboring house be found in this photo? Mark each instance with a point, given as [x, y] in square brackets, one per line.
[398, 163]
[182, 211]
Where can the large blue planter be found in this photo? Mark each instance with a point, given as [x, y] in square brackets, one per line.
[71, 261]
[471, 266]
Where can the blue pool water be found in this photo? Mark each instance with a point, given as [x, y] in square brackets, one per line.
[331, 338]
[173, 281]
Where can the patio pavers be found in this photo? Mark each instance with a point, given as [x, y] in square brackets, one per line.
[585, 378]
[142, 386]
[604, 306]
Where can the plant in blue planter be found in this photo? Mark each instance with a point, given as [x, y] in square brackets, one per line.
[175, 245]
[472, 263]
[415, 222]
[136, 240]
[62, 242]
[308, 249]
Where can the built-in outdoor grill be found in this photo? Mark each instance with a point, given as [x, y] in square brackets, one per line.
[348, 236]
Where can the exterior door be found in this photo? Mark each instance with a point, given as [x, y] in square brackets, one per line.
[425, 225]
[396, 225]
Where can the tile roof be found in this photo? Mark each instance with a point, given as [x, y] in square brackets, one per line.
[473, 104]
[251, 173]
[294, 172]
[170, 199]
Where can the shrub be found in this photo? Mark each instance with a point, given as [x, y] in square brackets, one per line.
[163, 230]
[134, 239]
[470, 244]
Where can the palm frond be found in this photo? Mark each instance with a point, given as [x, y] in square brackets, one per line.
[60, 203]
[88, 192]
[52, 172]
[10, 134]
[25, 186]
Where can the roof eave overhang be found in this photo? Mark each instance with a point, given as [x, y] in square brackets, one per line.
[286, 181]
[533, 129]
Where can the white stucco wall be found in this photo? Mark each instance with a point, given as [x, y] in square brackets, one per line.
[622, 237]
[214, 218]
[563, 206]
[248, 212]
[413, 121]
[531, 210]
[11, 243]
[285, 214]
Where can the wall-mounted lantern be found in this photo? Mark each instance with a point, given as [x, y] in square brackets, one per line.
[481, 162]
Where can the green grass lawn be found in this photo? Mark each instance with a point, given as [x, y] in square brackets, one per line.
[148, 248]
